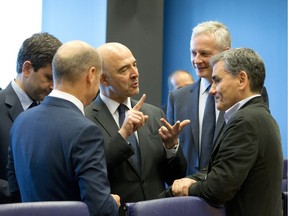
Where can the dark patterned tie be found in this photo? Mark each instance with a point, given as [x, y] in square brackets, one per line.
[131, 139]
[33, 104]
[208, 129]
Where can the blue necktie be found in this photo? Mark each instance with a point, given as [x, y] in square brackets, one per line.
[131, 139]
[208, 129]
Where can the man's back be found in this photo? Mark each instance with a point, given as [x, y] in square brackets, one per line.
[57, 153]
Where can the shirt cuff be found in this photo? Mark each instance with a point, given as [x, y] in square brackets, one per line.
[171, 152]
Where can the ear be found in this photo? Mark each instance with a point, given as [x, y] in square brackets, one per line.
[104, 80]
[243, 80]
[27, 68]
[91, 75]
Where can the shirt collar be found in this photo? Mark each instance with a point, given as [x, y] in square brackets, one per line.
[113, 105]
[69, 97]
[204, 85]
[232, 110]
[25, 100]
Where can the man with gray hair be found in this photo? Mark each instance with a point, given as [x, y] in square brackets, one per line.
[245, 170]
[193, 102]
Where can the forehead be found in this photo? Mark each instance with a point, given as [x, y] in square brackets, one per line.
[118, 58]
[219, 72]
[203, 42]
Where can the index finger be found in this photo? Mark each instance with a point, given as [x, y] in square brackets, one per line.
[139, 103]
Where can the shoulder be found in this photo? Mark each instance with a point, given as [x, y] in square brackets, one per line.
[186, 90]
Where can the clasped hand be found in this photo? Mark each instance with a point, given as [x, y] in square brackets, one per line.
[181, 187]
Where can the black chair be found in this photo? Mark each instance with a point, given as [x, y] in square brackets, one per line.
[184, 206]
[55, 208]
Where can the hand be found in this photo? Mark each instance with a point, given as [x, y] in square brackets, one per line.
[134, 119]
[181, 187]
[169, 134]
[117, 199]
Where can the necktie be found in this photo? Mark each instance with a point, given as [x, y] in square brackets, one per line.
[208, 129]
[33, 104]
[131, 139]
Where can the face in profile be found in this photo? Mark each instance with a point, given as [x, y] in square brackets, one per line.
[122, 77]
[38, 84]
[225, 87]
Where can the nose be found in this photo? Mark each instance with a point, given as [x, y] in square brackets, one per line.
[196, 58]
[51, 86]
[212, 90]
[134, 72]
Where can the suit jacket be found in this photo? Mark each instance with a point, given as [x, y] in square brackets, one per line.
[10, 108]
[183, 104]
[156, 170]
[56, 154]
[245, 171]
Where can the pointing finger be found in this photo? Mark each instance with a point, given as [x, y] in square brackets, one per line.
[140, 103]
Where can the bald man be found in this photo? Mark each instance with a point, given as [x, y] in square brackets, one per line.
[180, 78]
[66, 158]
[160, 158]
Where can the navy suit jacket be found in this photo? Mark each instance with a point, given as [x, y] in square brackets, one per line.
[10, 108]
[246, 166]
[156, 169]
[183, 104]
[56, 154]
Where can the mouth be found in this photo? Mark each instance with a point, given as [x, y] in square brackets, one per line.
[135, 84]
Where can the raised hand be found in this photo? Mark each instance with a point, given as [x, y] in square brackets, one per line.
[134, 119]
[169, 134]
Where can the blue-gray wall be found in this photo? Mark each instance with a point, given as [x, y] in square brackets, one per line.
[75, 20]
[254, 24]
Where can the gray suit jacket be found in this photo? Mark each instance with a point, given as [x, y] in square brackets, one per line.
[156, 170]
[10, 108]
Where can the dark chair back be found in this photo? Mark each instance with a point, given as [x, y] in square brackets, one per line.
[284, 180]
[55, 208]
[184, 206]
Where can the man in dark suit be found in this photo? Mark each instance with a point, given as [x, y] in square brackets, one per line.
[57, 154]
[245, 170]
[208, 38]
[32, 84]
[160, 158]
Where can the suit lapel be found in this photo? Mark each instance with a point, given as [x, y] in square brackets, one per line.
[219, 125]
[102, 114]
[12, 101]
[194, 112]
[142, 137]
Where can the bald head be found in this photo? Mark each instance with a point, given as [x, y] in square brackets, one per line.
[180, 78]
[111, 53]
[72, 60]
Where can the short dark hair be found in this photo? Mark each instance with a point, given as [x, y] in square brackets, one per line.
[39, 49]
